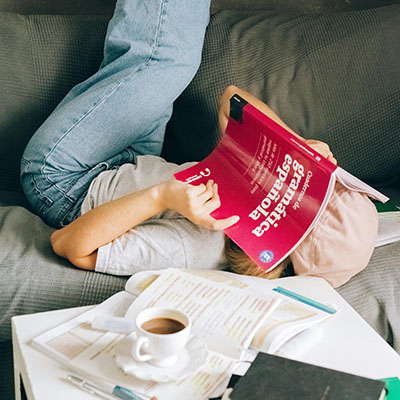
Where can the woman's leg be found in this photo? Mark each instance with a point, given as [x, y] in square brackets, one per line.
[152, 51]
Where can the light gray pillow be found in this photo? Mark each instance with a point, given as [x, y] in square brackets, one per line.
[34, 278]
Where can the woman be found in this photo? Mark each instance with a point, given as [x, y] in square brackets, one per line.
[97, 137]
[140, 217]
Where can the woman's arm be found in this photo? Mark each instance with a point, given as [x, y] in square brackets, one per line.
[254, 101]
[79, 241]
[224, 111]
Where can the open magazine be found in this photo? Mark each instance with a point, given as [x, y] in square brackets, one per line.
[229, 312]
[276, 183]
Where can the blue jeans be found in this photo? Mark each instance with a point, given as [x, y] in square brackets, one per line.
[152, 51]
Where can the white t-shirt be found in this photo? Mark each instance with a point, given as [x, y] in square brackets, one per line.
[167, 240]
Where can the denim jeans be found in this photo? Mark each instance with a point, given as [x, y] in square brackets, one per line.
[152, 51]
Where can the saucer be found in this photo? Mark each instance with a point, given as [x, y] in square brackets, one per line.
[190, 359]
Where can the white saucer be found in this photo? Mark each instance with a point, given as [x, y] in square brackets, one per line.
[191, 358]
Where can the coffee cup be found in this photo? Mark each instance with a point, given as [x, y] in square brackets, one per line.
[161, 334]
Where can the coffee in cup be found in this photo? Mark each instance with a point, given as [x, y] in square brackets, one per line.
[161, 334]
[163, 326]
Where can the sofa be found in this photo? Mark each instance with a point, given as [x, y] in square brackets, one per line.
[330, 69]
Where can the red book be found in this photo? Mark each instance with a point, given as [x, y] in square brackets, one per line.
[277, 184]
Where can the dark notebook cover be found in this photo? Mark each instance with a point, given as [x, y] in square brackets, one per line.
[272, 377]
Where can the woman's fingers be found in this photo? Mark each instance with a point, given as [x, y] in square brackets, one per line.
[322, 148]
[205, 192]
[211, 205]
[221, 224]
[332, 159]
[218, 224]
[214, 202]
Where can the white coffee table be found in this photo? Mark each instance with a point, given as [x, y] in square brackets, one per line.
[348, 344]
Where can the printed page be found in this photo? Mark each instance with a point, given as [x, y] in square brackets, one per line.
[288, 319]
[224, 316]
[209, 380]
[91, 353]
[67, 341]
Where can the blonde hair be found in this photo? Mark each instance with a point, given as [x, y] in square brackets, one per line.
[241, 263]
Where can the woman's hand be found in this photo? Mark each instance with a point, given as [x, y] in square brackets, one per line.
[195, 202]
[79, 241]
[322, 149]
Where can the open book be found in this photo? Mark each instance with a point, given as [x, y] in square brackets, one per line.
[276, 183]
[229, 312]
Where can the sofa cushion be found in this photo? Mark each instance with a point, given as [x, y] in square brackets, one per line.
[41, 58]
[34, 278]
[333, 77]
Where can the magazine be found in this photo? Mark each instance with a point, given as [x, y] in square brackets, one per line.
[271, 179]
[229, 313]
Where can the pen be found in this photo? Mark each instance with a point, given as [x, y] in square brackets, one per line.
[106, 390]
[305, 300]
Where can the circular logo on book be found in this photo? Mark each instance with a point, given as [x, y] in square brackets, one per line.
[266, 256]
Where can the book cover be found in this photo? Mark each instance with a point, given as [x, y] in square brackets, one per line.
[272, 377]
[276, 183]
[392, 388]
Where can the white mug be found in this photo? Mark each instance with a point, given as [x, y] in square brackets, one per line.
[161, 334]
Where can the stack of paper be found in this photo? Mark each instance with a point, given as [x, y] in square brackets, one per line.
[389, 224]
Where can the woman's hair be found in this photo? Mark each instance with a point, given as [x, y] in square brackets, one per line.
[241, 263]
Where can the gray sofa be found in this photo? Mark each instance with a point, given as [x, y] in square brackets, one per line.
[330, 69]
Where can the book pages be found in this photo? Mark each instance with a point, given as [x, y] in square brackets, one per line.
[389, 226]
[224, 316]
[288, 319]
[67, 341]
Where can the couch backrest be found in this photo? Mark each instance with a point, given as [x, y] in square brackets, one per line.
[64, 7]
[43, 56]
[105, 7]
